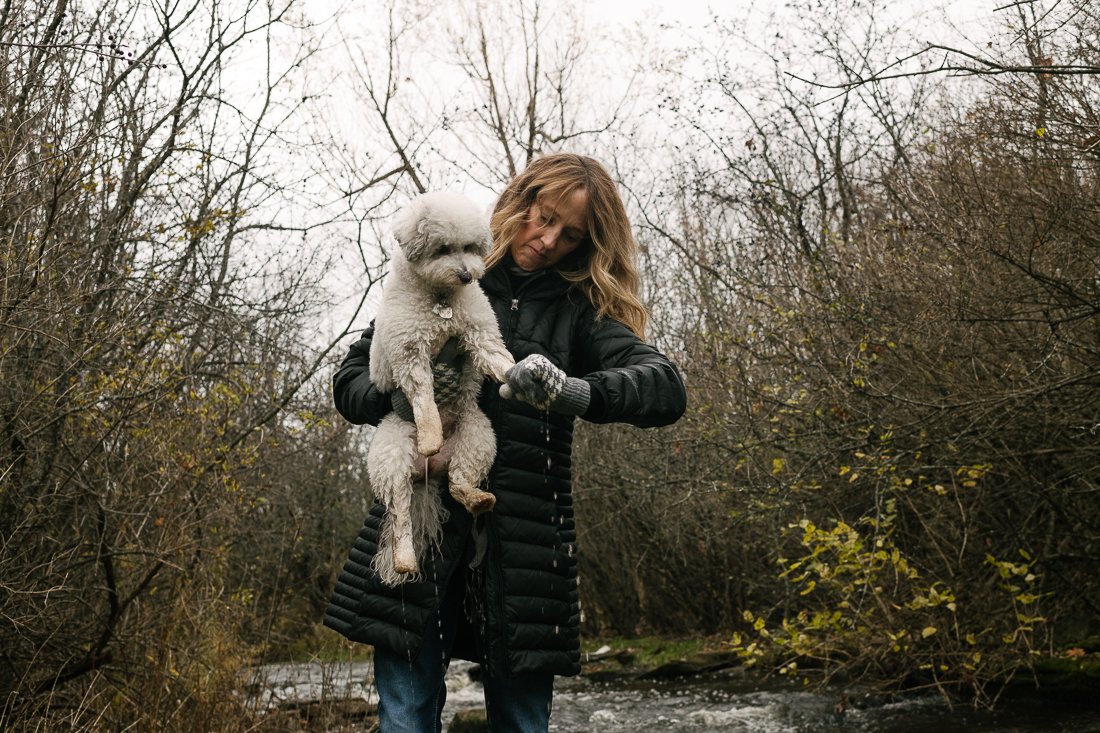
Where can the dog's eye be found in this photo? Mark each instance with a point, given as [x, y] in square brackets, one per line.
[442, 250]
[471, 248]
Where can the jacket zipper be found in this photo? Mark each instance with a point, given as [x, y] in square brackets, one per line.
[493, 622]
[502, 622]
[494, 538]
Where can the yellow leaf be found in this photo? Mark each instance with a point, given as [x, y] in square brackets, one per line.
[777, 466]
[927, 631]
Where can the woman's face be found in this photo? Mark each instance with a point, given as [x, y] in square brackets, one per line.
[551, 233]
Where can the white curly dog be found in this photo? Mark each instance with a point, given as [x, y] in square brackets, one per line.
[431, 295]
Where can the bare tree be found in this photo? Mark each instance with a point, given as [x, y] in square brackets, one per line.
[1036, 38]
[473, 97]
[886, 311]
[154, 301]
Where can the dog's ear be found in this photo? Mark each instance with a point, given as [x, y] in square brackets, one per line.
[413, 231]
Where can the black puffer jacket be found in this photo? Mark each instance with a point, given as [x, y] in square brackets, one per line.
[531, 614]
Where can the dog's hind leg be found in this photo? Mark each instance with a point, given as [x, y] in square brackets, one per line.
[390, 461]
[475, 446]
[404, 552]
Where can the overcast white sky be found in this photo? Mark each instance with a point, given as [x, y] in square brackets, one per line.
[665, 24]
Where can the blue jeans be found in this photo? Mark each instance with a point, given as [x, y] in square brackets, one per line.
[411, 694]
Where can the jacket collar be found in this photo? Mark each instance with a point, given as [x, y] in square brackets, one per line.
[497, 281]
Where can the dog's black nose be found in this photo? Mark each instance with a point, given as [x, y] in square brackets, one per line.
[465, 277]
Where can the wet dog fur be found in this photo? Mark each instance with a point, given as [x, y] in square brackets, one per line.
[430, 295]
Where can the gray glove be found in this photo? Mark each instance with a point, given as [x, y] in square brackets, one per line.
[536, 381]
[446, 371]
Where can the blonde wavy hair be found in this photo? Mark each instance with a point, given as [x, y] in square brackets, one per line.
[603, 267]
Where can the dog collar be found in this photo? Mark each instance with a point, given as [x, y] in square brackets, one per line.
[443, 310]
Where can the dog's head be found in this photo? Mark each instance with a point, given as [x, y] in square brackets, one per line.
[444, 237]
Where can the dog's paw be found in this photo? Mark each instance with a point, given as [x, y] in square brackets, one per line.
[404, 557]
[498, 367]
[429, 442]
[476, 501]
[483, 502]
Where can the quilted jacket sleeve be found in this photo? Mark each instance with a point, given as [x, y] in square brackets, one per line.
[356, 397]
[631, 381]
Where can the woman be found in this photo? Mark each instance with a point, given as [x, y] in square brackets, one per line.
[503, 589]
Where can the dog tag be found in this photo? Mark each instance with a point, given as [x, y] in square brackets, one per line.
[443, 311]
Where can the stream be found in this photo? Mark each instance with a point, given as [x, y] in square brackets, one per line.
[717, 703]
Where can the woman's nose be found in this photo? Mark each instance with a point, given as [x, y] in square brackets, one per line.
[549, 236]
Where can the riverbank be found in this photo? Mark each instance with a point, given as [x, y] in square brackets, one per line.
[1070, 672]
[654, 657]
[337, 697]
[330, 689]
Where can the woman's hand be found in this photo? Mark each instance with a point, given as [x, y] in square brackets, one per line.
[536, 381]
